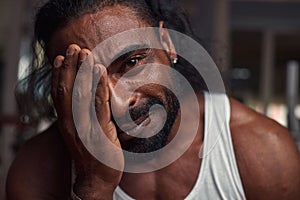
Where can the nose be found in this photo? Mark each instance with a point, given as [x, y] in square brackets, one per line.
[120, 98]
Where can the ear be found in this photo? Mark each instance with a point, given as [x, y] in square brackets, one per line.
[166, 41]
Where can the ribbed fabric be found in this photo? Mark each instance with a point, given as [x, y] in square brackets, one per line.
[218, 176]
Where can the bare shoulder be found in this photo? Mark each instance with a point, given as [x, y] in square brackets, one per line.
[267, 157]
[41, 169]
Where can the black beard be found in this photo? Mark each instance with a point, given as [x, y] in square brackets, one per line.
[159, 140]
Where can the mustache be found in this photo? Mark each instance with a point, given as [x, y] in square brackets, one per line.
[143, 109]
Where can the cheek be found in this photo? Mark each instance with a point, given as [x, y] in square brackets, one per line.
[153, 91]
[147, 82]
[152, 81]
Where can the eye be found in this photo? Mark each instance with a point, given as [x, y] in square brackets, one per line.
[132, 62]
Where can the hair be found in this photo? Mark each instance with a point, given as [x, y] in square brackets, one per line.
[33, 92]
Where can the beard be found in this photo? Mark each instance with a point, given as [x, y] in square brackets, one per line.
[159, 140]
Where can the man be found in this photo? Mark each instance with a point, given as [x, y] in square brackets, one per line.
[242, 153]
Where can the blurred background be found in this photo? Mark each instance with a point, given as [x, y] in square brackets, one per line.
[255, 43]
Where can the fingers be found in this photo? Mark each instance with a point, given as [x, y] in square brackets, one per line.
[102, 105]
[75, 79]
[58, 62]
[63, 78]
[101, 95]
[83, 55]
[82, 93]
[67, 77]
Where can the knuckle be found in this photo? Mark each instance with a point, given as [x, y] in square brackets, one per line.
[99, 101]
[111, 128]
[79, 94]
[62, 89]
[67, 63]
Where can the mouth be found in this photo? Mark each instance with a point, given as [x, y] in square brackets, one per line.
[135, 130]
[129, 131]
[137, 125]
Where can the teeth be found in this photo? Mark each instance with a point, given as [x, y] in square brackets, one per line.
[134, 131]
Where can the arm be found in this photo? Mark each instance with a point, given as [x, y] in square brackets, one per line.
[38, 171]
[268, 160]
[41, 169]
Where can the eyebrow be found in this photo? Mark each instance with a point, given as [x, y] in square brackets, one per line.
[129, 49]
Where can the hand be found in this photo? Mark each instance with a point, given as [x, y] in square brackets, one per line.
[93, 178]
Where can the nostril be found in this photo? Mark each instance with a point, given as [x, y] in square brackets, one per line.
[132, 100]
[131, 103]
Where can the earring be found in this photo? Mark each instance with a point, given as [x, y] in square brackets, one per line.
[175, 61]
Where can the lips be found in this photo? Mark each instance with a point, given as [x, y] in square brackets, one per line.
[132, 126]
[133, 129]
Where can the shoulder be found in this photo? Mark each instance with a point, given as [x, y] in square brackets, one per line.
[267, 157]
[40, 169]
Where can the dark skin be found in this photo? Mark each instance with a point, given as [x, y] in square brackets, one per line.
[267, 158]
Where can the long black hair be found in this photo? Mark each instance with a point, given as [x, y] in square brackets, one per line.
[33, 92]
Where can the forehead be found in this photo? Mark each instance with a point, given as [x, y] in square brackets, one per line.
[91, 29]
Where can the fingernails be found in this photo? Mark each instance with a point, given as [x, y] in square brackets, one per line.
[57, 63]
[70, 51]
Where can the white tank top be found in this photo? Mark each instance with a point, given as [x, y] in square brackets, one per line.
[218, 176]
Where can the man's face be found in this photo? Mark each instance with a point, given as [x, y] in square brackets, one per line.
[90, 30]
